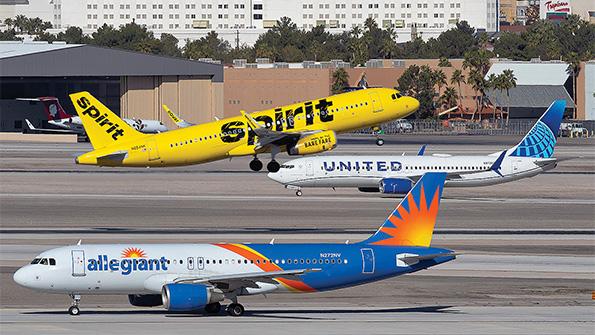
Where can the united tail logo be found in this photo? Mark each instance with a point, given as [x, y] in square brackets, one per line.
[412, 222]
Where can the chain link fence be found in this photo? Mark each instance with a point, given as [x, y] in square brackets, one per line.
[458, 127]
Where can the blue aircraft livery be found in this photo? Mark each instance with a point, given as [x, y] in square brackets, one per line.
[540, 141]
[133, 259]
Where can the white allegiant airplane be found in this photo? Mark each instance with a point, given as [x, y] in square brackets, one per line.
[397, 174]
[189, 277]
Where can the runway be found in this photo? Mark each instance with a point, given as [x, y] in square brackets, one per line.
[525, 261]
[314, 320]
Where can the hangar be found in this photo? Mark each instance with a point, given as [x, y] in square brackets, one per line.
[131, 84]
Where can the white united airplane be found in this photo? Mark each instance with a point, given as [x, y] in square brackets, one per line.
[397, 174]
[189, 277]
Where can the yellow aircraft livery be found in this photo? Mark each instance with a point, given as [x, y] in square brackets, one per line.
[300, 129]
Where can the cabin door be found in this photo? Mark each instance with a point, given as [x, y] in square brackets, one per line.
[367, 261]
[309, 169]
[78, 263]
[376, 103]
[152, 150]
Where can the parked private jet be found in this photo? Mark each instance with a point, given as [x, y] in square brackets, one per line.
[397, 174]
[190, 277]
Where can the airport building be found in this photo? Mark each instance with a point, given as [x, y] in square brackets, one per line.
[242, 21]
[131, 84]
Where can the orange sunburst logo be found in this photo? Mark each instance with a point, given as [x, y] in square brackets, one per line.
[414, 225]
[133, 253]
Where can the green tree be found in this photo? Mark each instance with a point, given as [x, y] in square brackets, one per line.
[478, 63]
[448, 99]
[458, 78]
[209, 46]
[508, 81]
[340, 80]
[73, 35]
[418, 82]
[495, 82]
[9, 35]
[169, 46]
[444, 62]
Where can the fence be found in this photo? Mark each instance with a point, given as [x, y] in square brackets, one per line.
[485, 127]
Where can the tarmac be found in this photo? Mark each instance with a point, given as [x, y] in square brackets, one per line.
[525, 261]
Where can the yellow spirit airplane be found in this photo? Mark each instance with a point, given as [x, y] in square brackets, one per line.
[300, 129]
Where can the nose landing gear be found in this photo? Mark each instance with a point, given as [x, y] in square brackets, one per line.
[74, 309]
[377, 131]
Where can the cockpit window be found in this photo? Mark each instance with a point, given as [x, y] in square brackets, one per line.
[52, 261]
[44, 261]
[396, 96]
[36, 261]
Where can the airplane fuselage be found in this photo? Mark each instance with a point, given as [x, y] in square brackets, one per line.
[233, 137]
[368, 171]
[74, 123]
[145, 268]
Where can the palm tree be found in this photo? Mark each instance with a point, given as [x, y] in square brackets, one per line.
[478, 83]
[508, 82]
[444, 62]
[449, 97]
[458, 79]
[574, 65]
[340, 80]
[439, 79]
[495, 83]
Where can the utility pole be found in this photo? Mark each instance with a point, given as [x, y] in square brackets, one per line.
[237, 39]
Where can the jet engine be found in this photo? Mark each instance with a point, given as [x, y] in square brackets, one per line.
[315, 143]
[395, 185]
[145, 300]
[189, 297]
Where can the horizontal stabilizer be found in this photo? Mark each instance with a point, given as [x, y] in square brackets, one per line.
[498, 163]
[414, 259]
[422, 150]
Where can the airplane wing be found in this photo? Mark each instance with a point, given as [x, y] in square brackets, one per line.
[176, 119]
[32, 129]
[230, 282]
[267, 136]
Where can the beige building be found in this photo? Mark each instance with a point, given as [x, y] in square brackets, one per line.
[131, 84]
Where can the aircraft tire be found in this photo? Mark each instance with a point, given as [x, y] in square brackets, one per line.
[379, 142]
[255, 165]
[235, 309]
[273, 166]
[74, 310]
[298, 193]
[213, 308]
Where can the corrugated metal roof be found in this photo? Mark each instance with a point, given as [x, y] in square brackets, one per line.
[83, 60]
[527, 73]
[15, 49]
[529, 96]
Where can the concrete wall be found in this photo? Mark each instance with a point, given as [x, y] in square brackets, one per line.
[195, 99]
[585, 93]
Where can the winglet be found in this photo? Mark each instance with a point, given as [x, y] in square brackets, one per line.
[422, 150]
[498, 163]
[176, 119]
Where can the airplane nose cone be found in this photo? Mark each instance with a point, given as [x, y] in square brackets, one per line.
[20, 277]
[413, 104]
[276, 176]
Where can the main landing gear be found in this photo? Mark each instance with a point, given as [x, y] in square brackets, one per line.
[74, 309]
[235, 309]
[272, 166]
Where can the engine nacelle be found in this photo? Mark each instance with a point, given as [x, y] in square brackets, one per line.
[315, 143]
[145, 300]
[395, 185]
[189, 297]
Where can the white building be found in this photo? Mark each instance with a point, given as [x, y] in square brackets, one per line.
[245, 20]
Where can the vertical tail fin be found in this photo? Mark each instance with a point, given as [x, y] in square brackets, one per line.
[101, 125]
[541, 139]
[412, 222]
[53, 108]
